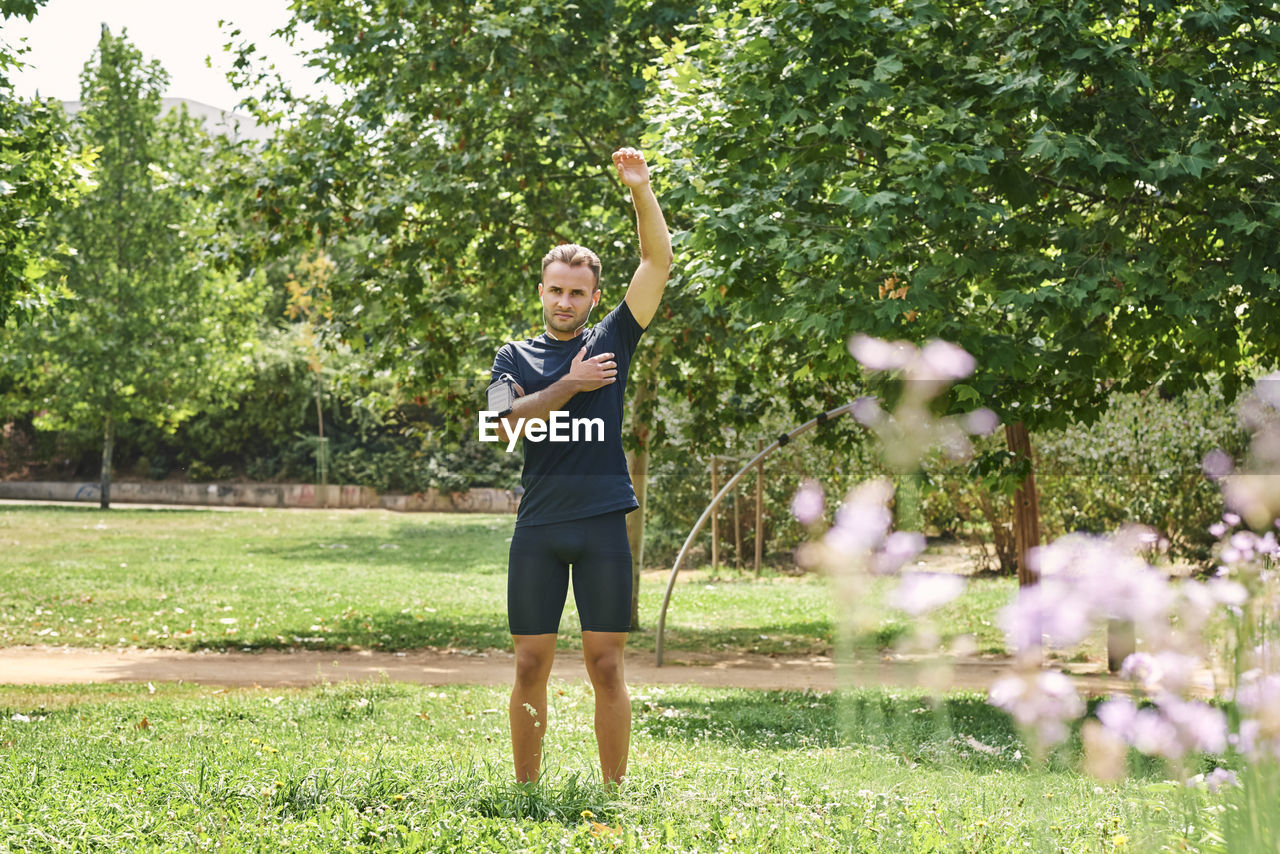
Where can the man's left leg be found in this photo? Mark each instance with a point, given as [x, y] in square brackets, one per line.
[603, 654]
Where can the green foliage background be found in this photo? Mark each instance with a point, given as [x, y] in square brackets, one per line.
[1081, 194]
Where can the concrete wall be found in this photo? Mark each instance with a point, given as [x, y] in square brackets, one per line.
[265, 495]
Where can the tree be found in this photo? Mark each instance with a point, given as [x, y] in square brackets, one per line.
[152, 330]
[40, 175]
[472, 139]
[1082, 195]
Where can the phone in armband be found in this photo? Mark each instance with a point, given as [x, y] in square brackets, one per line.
[502, 395]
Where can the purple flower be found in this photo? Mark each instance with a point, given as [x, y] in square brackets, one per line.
[1139, 666]
[1217, 529]
[1215, 781]
[1130, 591]
[867, 411]
[878, 355]
[942, 360]
[1043, 704]
[1055, 610]
[1171, 729]
[1199, 726]
[1227, 592]
[1261, 694]
[1268, 390]
[921, 592]
[981, 422]
[807, 505]
[898, 548]
[1231, 519]
[1267, 544]
[1216, 464]
[1117, 715]
[862, 520]
[1155, 736]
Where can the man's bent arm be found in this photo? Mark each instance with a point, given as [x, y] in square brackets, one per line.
[584, 375]
[540, 404]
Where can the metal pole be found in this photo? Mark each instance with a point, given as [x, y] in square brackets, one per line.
[758, 458]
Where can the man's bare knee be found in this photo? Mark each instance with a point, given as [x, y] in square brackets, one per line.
[532, 668]
[605, 670]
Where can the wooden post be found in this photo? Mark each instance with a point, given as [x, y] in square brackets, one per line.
[715, 519]
[108, 441]
[759, 507]
[737, 533]
[1122, 642]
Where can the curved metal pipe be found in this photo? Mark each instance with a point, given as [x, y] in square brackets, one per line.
[777, 443]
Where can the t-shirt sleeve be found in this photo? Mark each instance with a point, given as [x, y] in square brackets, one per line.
[505, 363]
[622, 324]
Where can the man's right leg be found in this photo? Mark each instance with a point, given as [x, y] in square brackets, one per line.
[537, 581]
[528, 709]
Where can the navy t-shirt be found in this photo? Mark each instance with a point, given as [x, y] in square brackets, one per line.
[574, 480]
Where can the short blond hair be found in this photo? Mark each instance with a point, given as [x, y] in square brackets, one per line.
[575, 256]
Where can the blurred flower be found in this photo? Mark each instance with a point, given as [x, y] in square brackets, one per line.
[877, 355]
[899, 547]
[921, 592]
[1259, 698]
[1056, 611]
[1268, 390]
[862, 520]
[1043, 704]
[1215, 781]
[807, 505]
[1145, 729]
[1200, 727]
[1216, 464]
[1170, 729]
[867, 411]
[1104, 752]
[981, 422]
[942, 360]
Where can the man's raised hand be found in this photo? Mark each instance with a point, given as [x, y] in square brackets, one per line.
[591, 374]
[632, 169]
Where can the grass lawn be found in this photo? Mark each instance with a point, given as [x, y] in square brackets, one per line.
[387, 766]
[198, 579]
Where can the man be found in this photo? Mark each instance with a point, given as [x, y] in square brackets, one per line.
[577, 494]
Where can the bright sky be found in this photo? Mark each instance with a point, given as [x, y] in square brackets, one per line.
[179, 33]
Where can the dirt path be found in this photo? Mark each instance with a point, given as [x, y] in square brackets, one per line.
[70, 665]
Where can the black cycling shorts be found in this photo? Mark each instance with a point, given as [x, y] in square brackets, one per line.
[538, 575]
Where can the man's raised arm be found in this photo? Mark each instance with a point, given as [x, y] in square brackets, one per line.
[650, 278]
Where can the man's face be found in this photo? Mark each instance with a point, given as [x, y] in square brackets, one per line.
[568, 295]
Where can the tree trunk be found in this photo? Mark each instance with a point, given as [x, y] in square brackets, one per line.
[998, 511]
[1026, 503]
[104, 486]
[638, 465]
[322, 456]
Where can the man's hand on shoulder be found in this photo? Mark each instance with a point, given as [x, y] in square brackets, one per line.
[596, 372]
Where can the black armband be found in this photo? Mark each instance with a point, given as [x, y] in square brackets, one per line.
[502, 395]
